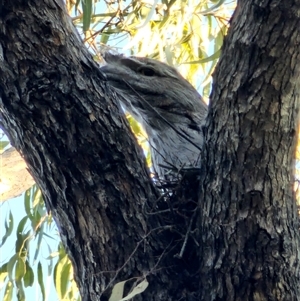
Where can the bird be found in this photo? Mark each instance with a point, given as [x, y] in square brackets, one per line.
[168, 107]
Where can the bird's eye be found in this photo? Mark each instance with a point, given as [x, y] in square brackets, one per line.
[146, 71]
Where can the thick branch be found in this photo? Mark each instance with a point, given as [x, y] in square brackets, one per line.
[250, 241]
[60, 114]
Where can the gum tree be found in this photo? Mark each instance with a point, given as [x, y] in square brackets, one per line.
[61, 115]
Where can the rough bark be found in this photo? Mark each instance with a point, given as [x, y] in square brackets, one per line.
[249, 230]
[60, 114]
[62, 117]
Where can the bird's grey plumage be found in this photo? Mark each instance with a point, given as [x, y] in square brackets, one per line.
[168, 107]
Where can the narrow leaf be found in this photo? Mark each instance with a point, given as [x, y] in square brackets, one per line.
[39, 241]
[10, 266]
[20, 269]
[29, 275]
[65, 278]
[27, 202]
[58, 280]
[8, 292]
[41, 280]
[9, 225]
[87, 8]
[20, 291]
[3, 275]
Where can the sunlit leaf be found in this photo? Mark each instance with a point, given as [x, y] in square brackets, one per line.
[8, 294]
[117, 291]
[8, 225]
[3, 275]
[62, 276]
[137, 290]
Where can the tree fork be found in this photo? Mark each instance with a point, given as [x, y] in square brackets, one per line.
[59, 113]
[62, 117]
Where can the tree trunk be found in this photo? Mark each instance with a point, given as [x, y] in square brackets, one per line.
[60, 114]
[249, 226]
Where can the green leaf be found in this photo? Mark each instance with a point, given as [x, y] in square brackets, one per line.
[87, 8]
[20, 269]
[65, 278]
[3, 268]
[104, 38]
[50, 258]
[39, 241]
[8, 292]
[117, 291]
[9, 225]
[22, 242]
[27, 202]
[20, 291]
[41, 280]
[3, 144]
[10, 266]
[220, 38]
[73, 291]
[29, 275]
[213, 7]
[37, 201]
[208, 59]
[22, 224]
[61, 277]
[136, 290]
[3, 274]
[135, 126]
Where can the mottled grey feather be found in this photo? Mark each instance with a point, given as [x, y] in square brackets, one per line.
[168, 107]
